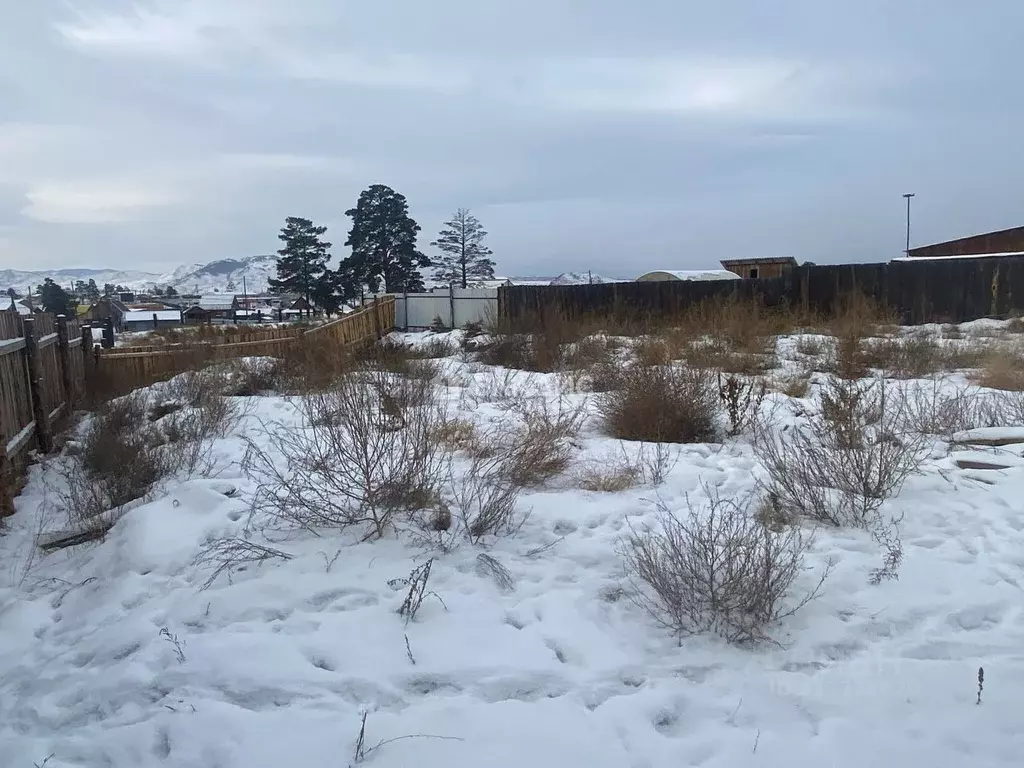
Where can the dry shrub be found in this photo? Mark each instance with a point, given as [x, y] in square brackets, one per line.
[716, 354]
[538, 449]
[796, 385]
[508, 352]
[742, 399]
[625, 469]
[839, 468]
[906, 358]
[366, 450]
[856, 319]
[811, 346]
[255, 376]
[652, 350]
[739, 326]
[583, 358]
[507, 388]
[662, 404]
[943, 408]
[961, 356]
[486, 499]
[117, 460]
[718, 570]
[313, 364]
[456, 434]
[434, 349]
[1002, 369]
[232, 554]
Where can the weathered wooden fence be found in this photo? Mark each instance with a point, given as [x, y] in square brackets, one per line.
[48, 365]
[123, 369]
[927, 291]
[43, 372]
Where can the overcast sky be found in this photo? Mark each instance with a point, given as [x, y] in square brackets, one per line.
[611, 136]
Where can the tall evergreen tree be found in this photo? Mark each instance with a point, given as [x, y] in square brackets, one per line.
[383, 242]
[302, 262]
[92, 291]
[464, 257]
[55, 299]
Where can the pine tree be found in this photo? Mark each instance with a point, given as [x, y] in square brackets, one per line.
[383, 242]
[92, 291]
[108, 289]
[170, 292]
[464, 257]
[55, 299]
[302, 263]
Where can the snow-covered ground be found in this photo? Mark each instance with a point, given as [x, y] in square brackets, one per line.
[113, 654]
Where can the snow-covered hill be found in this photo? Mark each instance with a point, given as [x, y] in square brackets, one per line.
[250, 274]
[222, 275]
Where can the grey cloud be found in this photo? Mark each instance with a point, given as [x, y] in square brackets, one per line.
[614, 137]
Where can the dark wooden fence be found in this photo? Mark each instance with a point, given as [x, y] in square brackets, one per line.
[928, 291]
[43, 362]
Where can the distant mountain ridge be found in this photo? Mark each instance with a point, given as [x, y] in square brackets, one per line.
[223, 275]
[250, 273]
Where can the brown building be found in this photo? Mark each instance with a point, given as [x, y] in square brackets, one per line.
[1003, 241]
[754, 269]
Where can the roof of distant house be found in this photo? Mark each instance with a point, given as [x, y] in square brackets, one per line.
[759, 260]
[217, 301]
[141, 316]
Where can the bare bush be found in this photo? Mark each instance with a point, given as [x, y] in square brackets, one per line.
[117, 459]
[486, 565]
[487, 500]
[717, 570]
[365, 450]
[943, 408]
[662, 404]
[624, 469]
[907, 358]
[1003, 369]
[506, 388]
[232, 554]
[796, 385]
[538, 448]
[853, 454]
[742, 399]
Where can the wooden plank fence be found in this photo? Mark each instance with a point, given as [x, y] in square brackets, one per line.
[43, 364]
[122, 369]
[48, 366]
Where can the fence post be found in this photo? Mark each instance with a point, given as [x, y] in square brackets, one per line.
[108, 333]
[65, 362]
[375, 310]
[43, 437]
[451, 304]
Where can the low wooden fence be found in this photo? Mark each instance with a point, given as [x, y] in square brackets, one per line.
[123, 369]
[44, 365]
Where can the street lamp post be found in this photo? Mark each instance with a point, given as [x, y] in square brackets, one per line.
[908, 195]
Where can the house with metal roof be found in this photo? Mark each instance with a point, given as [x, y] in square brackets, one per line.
[219, 306]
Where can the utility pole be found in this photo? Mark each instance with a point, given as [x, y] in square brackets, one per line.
[908, 195]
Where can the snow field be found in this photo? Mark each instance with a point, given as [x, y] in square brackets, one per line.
[112, 655]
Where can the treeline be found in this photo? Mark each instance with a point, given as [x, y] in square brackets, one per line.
[384, 253]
